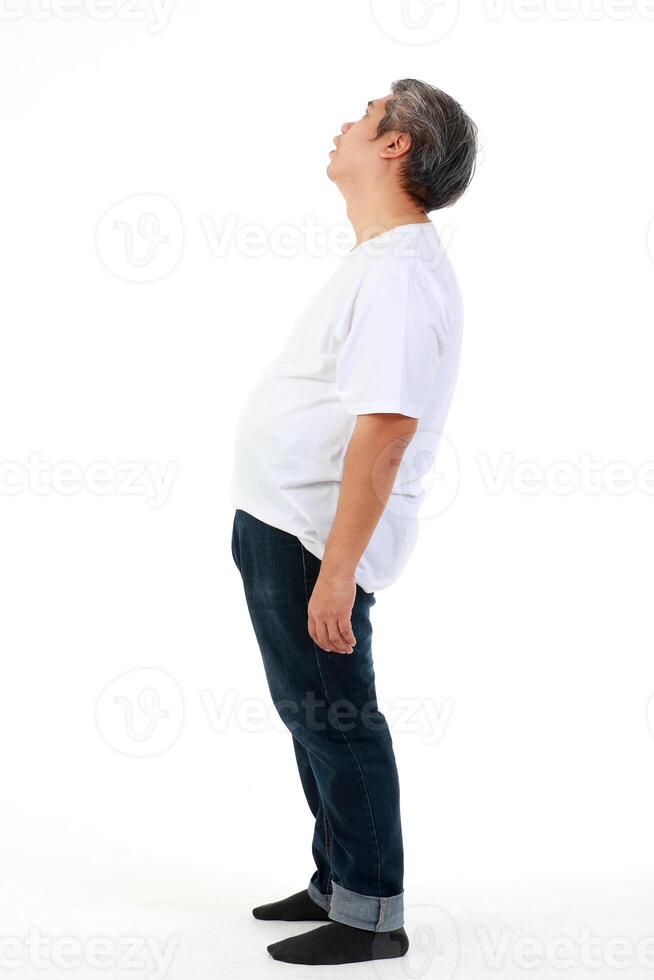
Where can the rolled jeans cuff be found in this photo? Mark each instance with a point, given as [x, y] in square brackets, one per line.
[366, 911]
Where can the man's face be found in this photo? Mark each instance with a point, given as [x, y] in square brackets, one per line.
[357, 149]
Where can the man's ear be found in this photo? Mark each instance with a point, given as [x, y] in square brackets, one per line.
[395, 145]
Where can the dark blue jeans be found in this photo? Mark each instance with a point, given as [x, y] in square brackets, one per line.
[342, 742]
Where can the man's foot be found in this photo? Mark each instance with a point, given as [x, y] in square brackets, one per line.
[297, 908]
[337, 943]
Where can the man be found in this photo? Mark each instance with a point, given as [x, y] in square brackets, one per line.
[325, 515]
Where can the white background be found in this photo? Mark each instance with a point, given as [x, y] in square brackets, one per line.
[519, 636]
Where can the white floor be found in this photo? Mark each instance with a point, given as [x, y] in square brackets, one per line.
[92, 924]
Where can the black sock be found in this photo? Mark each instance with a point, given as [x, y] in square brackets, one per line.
[338, 943]
[297, 908]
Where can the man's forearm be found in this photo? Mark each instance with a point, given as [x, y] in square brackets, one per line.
[372, 459]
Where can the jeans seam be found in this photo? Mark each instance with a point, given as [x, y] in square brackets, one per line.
[328, 835]
[343, 735]
[234, 551]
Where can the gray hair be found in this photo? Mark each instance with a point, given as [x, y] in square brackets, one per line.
[440, 164]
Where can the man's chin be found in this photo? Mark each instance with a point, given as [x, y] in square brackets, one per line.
[329, 170]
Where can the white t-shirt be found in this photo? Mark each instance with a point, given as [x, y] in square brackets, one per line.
[382, 335]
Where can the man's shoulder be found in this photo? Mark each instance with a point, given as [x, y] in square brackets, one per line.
[417, 261]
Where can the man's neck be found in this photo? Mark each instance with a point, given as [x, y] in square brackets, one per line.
[370, 219]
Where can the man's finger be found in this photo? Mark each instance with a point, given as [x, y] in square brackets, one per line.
[339, 644]
[314, 634]
[323, 640]
[345, 627]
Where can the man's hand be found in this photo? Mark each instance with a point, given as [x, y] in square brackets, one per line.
[330, 608]
[371, 462]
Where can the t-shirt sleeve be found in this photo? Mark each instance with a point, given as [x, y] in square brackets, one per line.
[390, 357]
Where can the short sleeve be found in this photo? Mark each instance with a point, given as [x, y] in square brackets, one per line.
[390, 356]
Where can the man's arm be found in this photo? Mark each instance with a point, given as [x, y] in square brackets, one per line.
[372, 459]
